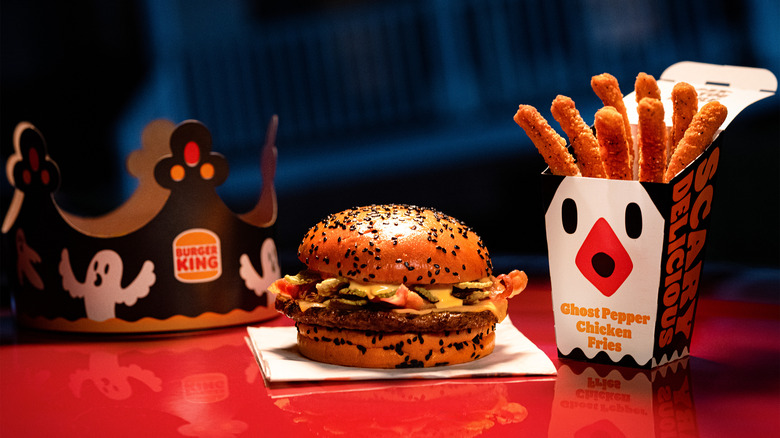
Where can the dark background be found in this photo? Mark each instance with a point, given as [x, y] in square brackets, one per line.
[378, 101]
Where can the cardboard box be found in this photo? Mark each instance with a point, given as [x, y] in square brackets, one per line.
[626, 256]
[172, 257]
[600, 400]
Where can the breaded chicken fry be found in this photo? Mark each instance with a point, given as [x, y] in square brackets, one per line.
[697, 137]
[581, 137]
[551, 145]
[685, 104]
[611, 134]
[652, 140]
[646, 86]
[607, 89]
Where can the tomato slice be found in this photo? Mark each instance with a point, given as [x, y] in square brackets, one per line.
[399, 299]
[284, 287]
[414, 301]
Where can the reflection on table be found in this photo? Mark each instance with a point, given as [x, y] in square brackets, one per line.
[207, 384]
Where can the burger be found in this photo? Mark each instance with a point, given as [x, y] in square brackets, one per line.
[395, 286]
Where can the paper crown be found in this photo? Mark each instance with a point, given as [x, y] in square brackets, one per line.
[172, 257]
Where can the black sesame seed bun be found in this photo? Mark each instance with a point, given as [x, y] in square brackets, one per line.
[395, 244]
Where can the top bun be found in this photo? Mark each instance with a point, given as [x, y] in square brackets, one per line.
[395, 244]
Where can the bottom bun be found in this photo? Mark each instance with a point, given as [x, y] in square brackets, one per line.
[370, 349]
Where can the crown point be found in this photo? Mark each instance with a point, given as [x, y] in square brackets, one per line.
[34, 160]
[207, 171]
[177, 173]
[191, 153]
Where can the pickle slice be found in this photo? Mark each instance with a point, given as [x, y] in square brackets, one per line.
[475, 297]
[303, 277]
[331, 286]
[353, 292]
[344, 303]
[426, 294]
[473, 284]
[386, 294]
[461, 293]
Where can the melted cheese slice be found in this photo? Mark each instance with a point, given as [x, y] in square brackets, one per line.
[306, 305]
[498, 308]
[372, 290]
[446, 303]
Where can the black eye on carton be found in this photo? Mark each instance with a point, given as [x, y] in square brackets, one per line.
[633, 220]
[569, 215]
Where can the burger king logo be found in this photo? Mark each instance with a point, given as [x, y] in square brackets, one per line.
[197, 256]
[205, 388]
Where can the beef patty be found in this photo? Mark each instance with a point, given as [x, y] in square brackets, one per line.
[385, 321]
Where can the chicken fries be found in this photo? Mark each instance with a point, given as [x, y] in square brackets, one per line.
[697, 137]
[583, 141]
[652, 152]
[551, 145]
[685, 104]
[646, 86]
[611, 134]
[652, 140]
[607, 89]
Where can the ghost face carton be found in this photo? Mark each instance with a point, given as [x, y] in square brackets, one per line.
[626, 256]
[625, 263]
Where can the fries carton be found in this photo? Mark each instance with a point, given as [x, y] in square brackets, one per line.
[626, 256]
[602, 400]
[172, 257]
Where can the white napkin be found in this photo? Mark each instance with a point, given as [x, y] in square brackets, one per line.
[276, 351]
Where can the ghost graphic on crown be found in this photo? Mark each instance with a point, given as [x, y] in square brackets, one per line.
[27, 259]
[270, 265]
[102, 289]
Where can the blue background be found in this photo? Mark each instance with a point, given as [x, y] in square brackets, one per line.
[378, 101]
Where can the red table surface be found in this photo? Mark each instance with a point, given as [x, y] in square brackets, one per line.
[207, 384]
